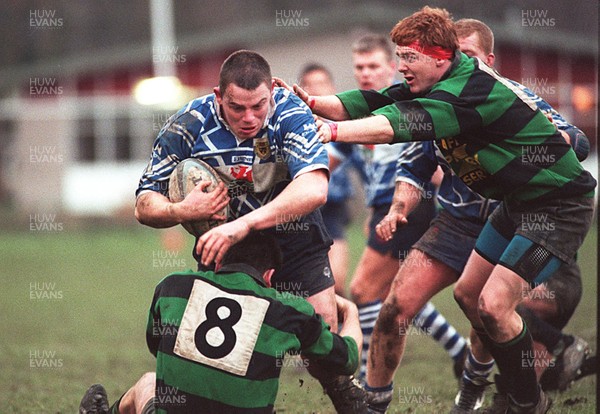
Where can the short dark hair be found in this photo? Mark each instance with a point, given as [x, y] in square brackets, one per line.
[258, 250]
[314, 67]
[372, 42]
[466, 27]
[246, 69]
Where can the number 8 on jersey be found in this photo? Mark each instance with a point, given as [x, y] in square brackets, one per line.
[220, 329]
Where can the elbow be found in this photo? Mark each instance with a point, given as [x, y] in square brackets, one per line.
[141, 215]
[142, 211]
[138, 216]
[312, 190]
[320, 196]
[313, 201]
[321, 199]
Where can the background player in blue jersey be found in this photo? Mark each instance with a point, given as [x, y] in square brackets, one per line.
[262, 141]
[317, 80]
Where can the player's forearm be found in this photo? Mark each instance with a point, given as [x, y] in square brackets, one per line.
[371, 130]
[303, 195]
[406, 198]
[329, 107]
[155, 210]
[437, 177]
[351, 328]
[348, 316]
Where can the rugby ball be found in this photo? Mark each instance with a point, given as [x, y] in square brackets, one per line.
[189, 173]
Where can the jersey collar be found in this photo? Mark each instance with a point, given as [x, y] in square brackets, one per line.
[243, 268]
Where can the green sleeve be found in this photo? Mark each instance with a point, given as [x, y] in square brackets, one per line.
[352, 364]
[355, 103]
[425, 119]
[361, 103]
[335, 353]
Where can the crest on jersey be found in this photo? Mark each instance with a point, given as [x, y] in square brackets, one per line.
[262, 148]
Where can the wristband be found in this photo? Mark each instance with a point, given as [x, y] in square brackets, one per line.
[311, 102]
[333, 128]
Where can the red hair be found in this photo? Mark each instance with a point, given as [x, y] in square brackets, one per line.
[429, 27]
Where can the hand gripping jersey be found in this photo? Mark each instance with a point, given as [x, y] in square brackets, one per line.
[255, 170]
[220, 341]
[490, 131]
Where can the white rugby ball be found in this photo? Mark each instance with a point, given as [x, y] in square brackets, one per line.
[189, 173]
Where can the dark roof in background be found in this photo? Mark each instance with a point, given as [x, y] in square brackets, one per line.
[94, 33]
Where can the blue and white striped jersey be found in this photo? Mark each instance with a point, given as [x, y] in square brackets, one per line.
[340, 185]
[545, 107]
[379, 165]
[419, 161]
[255, 170]
[579, 141]
[416, 166]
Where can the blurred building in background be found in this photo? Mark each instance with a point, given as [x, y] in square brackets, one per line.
[75, 137]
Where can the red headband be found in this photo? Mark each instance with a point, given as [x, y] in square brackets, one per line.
[436, 52]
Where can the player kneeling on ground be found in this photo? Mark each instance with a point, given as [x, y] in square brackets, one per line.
[219, 339]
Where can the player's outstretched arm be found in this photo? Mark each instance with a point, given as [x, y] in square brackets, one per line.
[155, 210]
[327, 106]
[372, 130]
[303, 194]
[406, 198]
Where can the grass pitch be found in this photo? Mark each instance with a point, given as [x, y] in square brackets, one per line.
[74, 307]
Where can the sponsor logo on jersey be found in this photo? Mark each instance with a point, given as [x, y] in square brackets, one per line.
[242, 158]
[238, 188]
[467, 167]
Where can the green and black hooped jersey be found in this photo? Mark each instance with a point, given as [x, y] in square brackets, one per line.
[220, 341]
[491, 133]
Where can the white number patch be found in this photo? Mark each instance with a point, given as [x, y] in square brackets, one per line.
[220, 329]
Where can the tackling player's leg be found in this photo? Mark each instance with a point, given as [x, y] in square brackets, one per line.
[139, 399]
[370, 285]
[399, 309]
